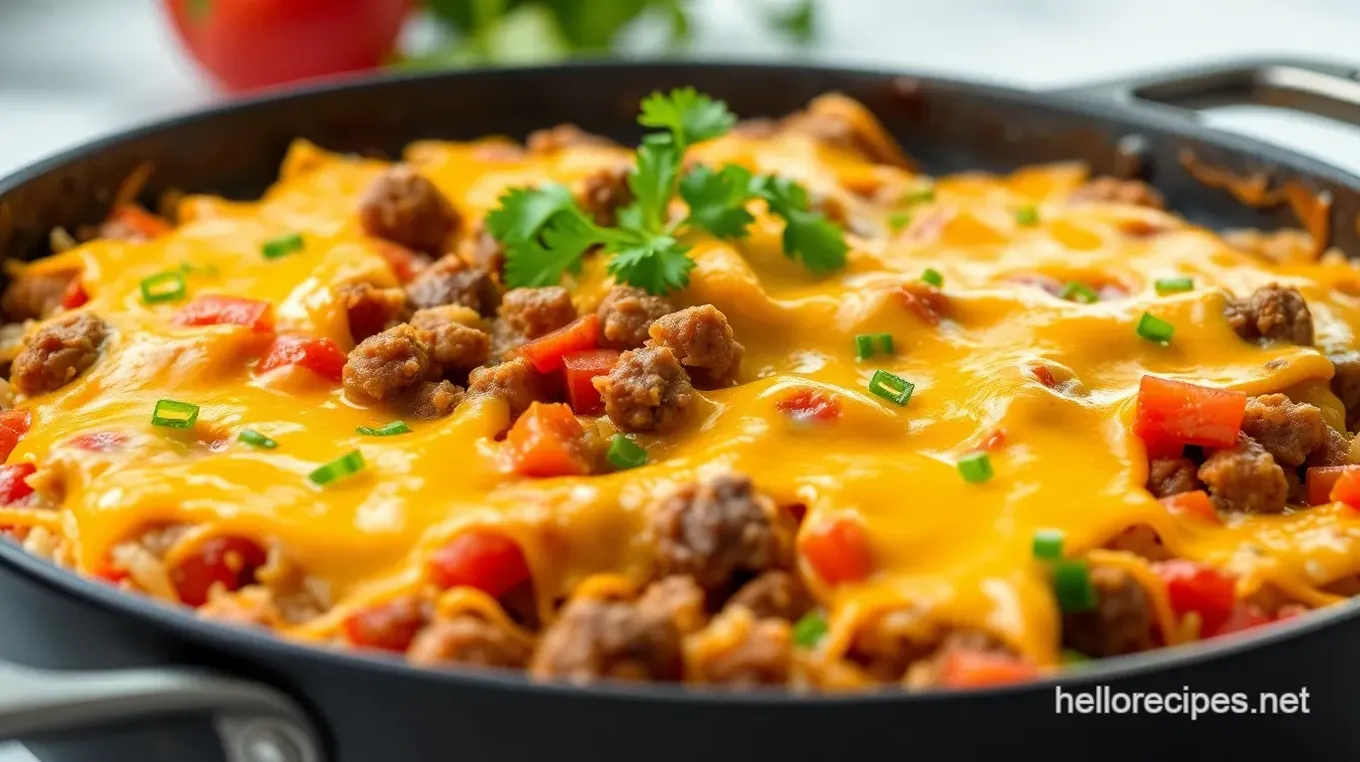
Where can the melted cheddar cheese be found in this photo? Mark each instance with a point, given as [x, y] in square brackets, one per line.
[958, 552]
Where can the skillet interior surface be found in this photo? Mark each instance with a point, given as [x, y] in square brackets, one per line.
[945, 125]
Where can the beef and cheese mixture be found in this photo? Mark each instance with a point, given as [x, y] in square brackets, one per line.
[751, 403]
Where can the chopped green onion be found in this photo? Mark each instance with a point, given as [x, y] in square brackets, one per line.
[894, 389]
[256, 439]
[933, 277]
[174, 415]
[809, 630]
[625, 453]
[163, 287]
[395, 427]
[189, 269]
[1048, 544]
[1173, 285]
[976, 467]
[343, 466]
[1155, 329]
[898, 220]
[1079, 292]
[1027, 216]
[282, 246]
[1072, 583]
[864, 346]
[919, 195]
[884, 341]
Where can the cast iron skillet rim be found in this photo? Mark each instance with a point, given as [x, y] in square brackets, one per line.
[238, 639]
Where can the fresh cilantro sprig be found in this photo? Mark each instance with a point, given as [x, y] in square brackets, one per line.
[545, 233]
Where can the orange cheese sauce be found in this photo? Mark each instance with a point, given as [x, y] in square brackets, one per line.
[960, 551]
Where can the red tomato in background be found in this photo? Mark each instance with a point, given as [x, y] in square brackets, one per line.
[248, 44]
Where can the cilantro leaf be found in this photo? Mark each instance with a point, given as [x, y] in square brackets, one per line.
[658, 264]
[691, 116]
[653, 183]
[559, 246]
[809, 236]
[524, 211]
[717, 200]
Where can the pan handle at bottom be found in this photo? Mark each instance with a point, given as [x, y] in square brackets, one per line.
[255, 723]
[1314, 87]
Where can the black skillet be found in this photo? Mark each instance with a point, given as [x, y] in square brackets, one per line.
[110, 676]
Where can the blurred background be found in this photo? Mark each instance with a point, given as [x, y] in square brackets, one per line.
[72, 70]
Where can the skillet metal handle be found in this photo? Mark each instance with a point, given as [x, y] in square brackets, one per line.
[1315, 87]
[254, 723]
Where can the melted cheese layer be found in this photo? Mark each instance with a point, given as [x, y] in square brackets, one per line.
[960, 551]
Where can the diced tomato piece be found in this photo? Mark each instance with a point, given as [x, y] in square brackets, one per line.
[963, 668]
[1346, 489]
[993, 441]
[390, 626]
[480, 558]
[132, 221]
[810, 404]
[581, 369]
[1195, 503]
[923, 299]
[110, 574]
[1321, 479]
[1244, 617]
[321, 356]
[99, 441]
[1174, 411]
[74, 295]
[797, 511]
[1201, 589]
[13, 427]
[838, 550]
[547, 441]
[406, 264]
[228, 310]
[226, 560]
[546, 352]
[13, 488]
[1044, 375]
[1157, 450]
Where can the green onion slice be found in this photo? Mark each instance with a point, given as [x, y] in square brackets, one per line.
[885, 342]
[163, 287]
[1155, 329]
[933, 277]
[256, 439]
[625, 453]
[976, 467]
[1080, 292]
[864, 346]
[809, 630]
[391, 429]
[282, 246]
[892, 388]
[1173, 285]
[174, 415]
[898, 220]
[345, 465]
[920, 195]
[1048, 544]
[1027, 216]
[1072, 584]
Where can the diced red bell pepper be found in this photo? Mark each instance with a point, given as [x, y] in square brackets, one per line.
[406, 264]
[1195, 503]
[1172, 411]
[581, 369]
[546, 352]
[228, 310]
[1346, 489]
[1320, 480]
[964, 668]
[390, 626]
[13, 427]
[838, 550]
[993, 441]
[321, 356]
[810, 404]
[1044, 375]
[99, 441]
[1244, 616]
[13, 486]
[547, 440]
[479, 558]
[923, 299]
[1201, 589]
[74, 295]
[225, 560]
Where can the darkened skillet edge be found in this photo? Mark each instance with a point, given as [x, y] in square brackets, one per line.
[243, 640]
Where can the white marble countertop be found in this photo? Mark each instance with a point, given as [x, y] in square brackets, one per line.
[71, 70]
